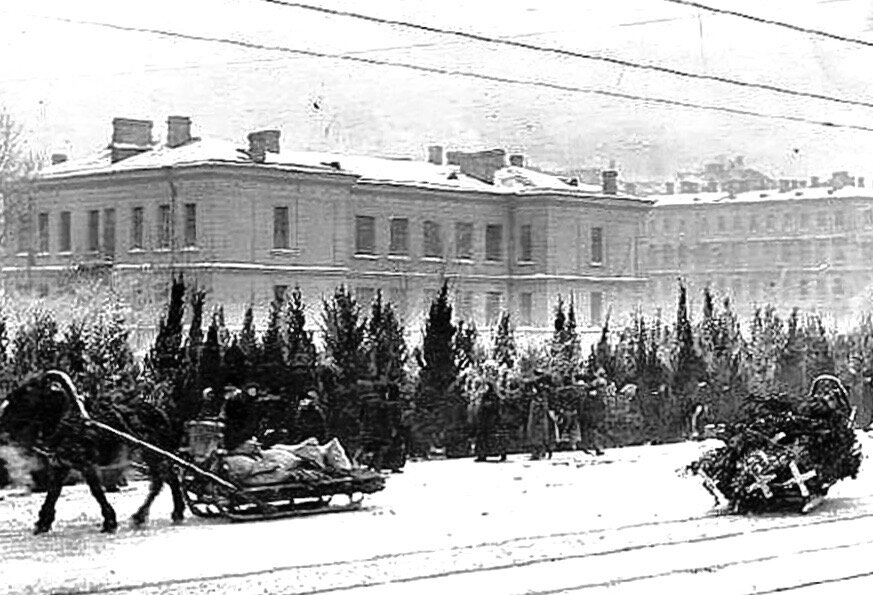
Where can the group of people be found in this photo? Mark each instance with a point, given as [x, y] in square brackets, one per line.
[569, 416]
[249, 413]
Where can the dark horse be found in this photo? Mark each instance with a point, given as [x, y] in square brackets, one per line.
[44, 414]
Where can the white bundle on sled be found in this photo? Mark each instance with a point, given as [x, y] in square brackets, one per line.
[251, 465]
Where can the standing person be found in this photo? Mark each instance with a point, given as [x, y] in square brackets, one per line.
[591, 410]
[489, 439]
[375, 430]
[395, 456]
[240, 417]
[309, 421]
[540, 426]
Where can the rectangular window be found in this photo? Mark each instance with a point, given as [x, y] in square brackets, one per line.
[165, 228]
[399, 241]
[280, 228]
[464, 241]
[65, 240]
[771, 222]
[494, 242]
[137, 220]
[596, 307]
[492, 307]
[190, 225]
[93, 231]
[839, 219]
[839, 290]
[526, 243]
[23, 233]
[596, 245]
[804, 221]
[804, 288]
[840, 250]
[868, 217]
[109, 231]
[365, 235]
[43, 230]
[525, 308]
[753, 224]
[821, 220]
[433, 241]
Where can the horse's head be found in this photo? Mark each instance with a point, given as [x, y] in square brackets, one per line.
[32, 410]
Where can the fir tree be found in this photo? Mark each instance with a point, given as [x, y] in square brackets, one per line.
[166, 355]
[466, 346]
[343, 333]
[438, 367]
[248, 339]
[503, 349]
[272, 353]
[195, 331]
[385, 341]
[300, 346]
[210, 369]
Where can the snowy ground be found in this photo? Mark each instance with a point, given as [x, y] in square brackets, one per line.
[625, 522]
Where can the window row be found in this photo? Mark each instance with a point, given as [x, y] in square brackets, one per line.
[808, 252]
[105, 242]
[789, 222]
[433, 241]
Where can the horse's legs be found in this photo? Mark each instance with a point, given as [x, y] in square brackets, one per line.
[142, 514]
[178, 514]
[56, 476]
[110, 523]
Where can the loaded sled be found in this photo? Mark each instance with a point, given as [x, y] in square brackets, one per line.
[211, 489]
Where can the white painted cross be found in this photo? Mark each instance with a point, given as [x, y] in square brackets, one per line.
[800, 479]
[762, 482]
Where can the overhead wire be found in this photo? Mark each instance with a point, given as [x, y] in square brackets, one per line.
[462, 73]
[567, 53]
[772, 22]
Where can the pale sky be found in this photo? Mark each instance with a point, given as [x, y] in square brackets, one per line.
[65, 82]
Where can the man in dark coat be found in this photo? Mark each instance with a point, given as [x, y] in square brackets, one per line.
[395, 455]
[489, 439]
[309, 422]
[375, 429]
[241, 417]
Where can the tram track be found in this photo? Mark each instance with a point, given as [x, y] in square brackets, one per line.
[413, 559]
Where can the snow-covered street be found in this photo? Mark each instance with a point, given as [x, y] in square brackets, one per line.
[626, 522]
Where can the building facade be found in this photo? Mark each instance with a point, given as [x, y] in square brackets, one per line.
[248, 221]
[807, 246]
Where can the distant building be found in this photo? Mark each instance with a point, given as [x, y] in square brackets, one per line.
[250, 221]
[807, 245]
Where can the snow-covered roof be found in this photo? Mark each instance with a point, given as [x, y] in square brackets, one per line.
[759, 196]
[368, 169]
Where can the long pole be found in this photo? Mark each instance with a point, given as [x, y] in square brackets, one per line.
[167, 455]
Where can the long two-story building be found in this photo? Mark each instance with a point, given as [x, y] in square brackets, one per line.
[250, 220]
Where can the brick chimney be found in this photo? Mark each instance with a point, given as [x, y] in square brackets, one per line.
[813, 182]
[435, 154]
[60, 158]
[610, 181]
[130, 137]
[480, 165]
[860, 181]
[263, 142]
[784, 185]
[178, 131]
[516, 160]
[669, 188]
